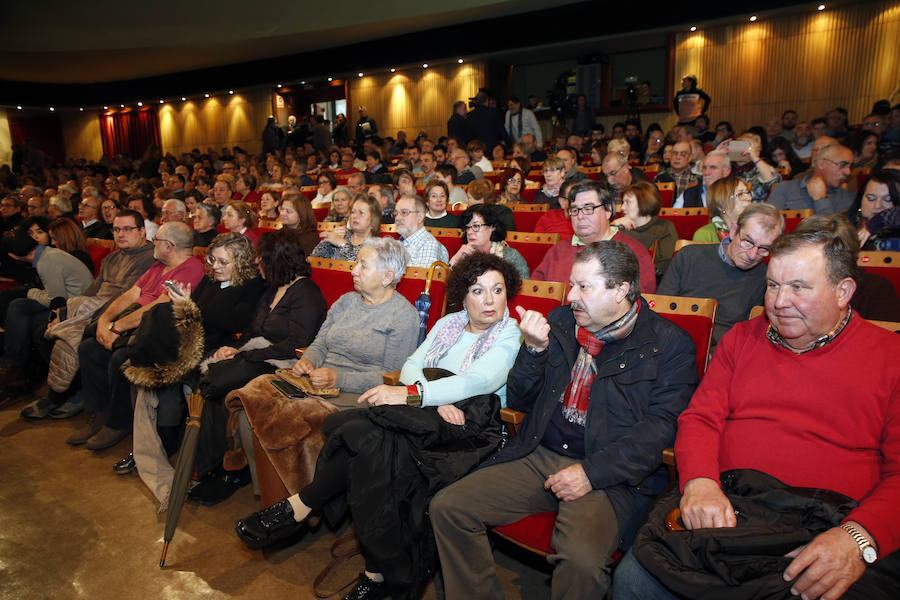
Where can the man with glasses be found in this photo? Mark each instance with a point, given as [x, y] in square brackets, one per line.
[821, 190]
[37, 206]
[715, 167]
[679, 170]
[423, 248]
[118, 272]
[732, 272]
[590, 209]
[173, 210]
[107, 394]
[619, 174]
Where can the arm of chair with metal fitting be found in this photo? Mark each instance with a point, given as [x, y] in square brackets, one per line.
[513, 418]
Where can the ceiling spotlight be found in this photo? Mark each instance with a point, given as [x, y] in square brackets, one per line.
[18, 106]
[161, 101]
[693, 28]
[753, 18]
[105, 108]
[52, 109]
[331, 79]
[121, 106]
[821, 7]
[183, 99]
[424, 65]
[231, 92]
[302, 83]
[360, 74]
[279, 86]
[393, 70]
[81, 109]
[460, 61]
[206, 95]
[140, 103]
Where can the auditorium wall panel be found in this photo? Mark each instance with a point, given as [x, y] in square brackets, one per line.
[81, 135]
[415, 99]
[811, 62]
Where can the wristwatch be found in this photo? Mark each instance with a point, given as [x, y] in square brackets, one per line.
[414, 394]
[867, 551]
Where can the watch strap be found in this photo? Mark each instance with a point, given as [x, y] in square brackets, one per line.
[861, 541]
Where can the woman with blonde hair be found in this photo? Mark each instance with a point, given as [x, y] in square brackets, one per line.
[726, 199]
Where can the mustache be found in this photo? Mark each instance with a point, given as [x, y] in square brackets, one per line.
[576, 305]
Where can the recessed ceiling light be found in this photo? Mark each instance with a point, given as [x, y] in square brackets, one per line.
[231, 92]
[331, 79]
[302, 83]
[424, 65]
[19, 106]
[360, 74]
[140, 103]
[821, 7]
[693, 28]
[162, 101]
[52, 109]
[81, 109]
[121, 106]
[460, 61]
[393, 70]
[279, 86]
[206, 95]
[753, 18]
[105, 108]
[183, 99]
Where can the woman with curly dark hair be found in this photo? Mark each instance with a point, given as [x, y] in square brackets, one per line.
[484, 232]
[876, 211]
[386, 461]
[288, 316]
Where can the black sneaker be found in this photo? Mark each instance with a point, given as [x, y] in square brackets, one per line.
[268, 525]
[37, 410]
[366, 589]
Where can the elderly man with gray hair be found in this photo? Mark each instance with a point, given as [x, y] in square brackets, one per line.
[619, 174]
[715, 166]
[821, 190]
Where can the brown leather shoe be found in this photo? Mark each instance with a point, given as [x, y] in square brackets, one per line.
[93, 425]
[106, 438]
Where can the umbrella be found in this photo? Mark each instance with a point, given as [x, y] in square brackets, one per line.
[423, 303]
[183, 470]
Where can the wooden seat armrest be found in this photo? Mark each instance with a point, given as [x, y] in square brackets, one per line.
[513, 418]
[392, 378]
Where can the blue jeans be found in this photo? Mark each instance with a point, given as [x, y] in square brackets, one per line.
[631, 581]
[22, 318]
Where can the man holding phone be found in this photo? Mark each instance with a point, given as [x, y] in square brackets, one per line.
[107, 392]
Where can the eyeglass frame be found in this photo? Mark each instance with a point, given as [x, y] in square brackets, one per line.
[587, 209]
[748, 244]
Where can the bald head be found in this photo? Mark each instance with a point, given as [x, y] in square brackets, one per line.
[833, 164]
[180, 234]
[820, 144]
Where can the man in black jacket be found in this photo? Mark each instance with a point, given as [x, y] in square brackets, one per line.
[456, 125]
[485, 123]
[603, 381]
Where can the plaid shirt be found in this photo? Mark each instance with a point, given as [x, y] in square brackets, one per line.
[424, 249]
[829, 337]
[681, 181]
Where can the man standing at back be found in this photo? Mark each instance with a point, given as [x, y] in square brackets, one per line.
[590, 208]
[520, 120]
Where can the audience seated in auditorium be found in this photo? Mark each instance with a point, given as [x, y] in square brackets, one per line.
[484, 231]
[714, 166]
[726, 199]
[679, 172]
[344, 242]
[759, 174]
[409, 218]
[554, 170]
[482, 192]
[288, 316]
[641, 203]
[732, 272]
[590, 209]
[602, 381]
[238, 217]
[172, 210]
[619, 174]
[107, 396]
[448, 174]
[465, 172]
[770, 418]
[385, 463]
[436, 194]
[821, 190]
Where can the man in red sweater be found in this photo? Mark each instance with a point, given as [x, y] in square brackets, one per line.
[812, 399]
[590, 208]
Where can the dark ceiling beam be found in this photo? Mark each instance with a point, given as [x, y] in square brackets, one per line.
[561, 24]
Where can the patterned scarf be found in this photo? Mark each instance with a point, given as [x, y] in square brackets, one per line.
[577, 396]
[450, 332]
[551, 191]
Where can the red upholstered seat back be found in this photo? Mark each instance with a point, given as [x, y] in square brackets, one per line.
[884, 263]
[541, 296]
[332, 276]
[532, 246]
[686, 220]
[696, 316]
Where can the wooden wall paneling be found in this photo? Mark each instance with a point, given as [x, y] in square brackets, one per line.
[813, 61]
[81, 135]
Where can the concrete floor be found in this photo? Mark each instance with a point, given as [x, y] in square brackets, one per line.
[71, 528]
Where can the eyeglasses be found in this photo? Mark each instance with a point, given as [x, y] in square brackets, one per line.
[475, 227]
[126, 229]
[88, 205]
[213, 261]
[406, 212]
[844, 164]
[587, 209]
[743, 194]
[748, 244]
[324, 181]
[156, 239]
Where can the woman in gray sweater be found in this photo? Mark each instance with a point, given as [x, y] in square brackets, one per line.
[368, 332]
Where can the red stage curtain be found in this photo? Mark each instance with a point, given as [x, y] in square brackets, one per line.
[129, 132]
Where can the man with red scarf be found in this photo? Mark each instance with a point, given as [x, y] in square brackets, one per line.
[603, 381]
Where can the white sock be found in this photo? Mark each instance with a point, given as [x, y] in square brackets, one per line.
[300, 510]
[376, 577]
